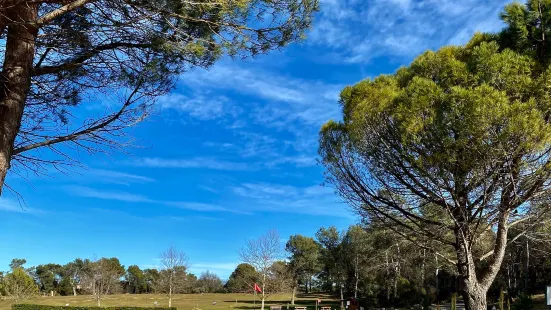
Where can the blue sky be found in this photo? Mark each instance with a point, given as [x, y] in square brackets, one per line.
[232, 151]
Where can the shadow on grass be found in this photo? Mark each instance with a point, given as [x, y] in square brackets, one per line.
[286, 304]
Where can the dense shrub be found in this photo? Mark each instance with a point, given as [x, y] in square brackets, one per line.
[45, 307]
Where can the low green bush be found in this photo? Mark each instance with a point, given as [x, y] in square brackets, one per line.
[46, 307]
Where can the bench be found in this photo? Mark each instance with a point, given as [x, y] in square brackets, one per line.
[325, 308]
[275, 307]
[300, 308]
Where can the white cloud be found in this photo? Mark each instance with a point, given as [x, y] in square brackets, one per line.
[314, 200]
[358, 31]
[118, 177]
[199, 105]
[204, 163]
[289, 99]
[88, 192]
[9, 205]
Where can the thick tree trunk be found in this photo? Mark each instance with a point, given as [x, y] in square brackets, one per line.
[475, 298]
[74, 290]
[473, 283]
[16, 78]
[474, 294]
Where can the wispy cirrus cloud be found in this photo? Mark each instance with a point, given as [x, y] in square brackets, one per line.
[9, 205]
[190, 163]
[358, 31]
[291, 100]
[118, 176]
[88, 192]
[314, 200]
[83, 191]
[244, 163]
[199, 105]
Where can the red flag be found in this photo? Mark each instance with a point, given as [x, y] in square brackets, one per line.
[257, 288]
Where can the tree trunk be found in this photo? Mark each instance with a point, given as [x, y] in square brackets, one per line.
[356, 275]
[527, 269]
[170, 296]
[475, 298]
[474, 294]
[263, 290]
[16, 78]
[294, 293]
[74, 290]
[342, 298]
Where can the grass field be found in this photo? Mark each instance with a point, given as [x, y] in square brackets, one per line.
[183, 301]
[203, 302]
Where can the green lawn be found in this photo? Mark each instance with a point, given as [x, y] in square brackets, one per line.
[183, 301]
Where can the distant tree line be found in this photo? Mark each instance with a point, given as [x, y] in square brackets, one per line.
[367, 261]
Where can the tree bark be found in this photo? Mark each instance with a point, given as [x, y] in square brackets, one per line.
[16, 78]
[294, 294]
[263, 290]
[356, 275]
[342, 298]
[474, 297]
[527, 268]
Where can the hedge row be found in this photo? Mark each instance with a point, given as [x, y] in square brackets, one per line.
[45, 307]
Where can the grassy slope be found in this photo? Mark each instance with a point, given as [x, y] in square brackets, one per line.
[184, 301]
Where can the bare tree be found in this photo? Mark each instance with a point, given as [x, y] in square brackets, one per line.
[102, 277]
[172, 277]
[262, 254]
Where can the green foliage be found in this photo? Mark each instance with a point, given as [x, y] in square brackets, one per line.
[304, 259]
[424, 150]
[209, 283]
[331, 257]
[523, 302]
[47, 307]
[151, 276]
[18, 285]
[242, 279]
[17, 263]
[528, 29]
[49, 277]
[136, 280]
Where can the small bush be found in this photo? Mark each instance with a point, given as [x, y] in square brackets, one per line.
[45, 307]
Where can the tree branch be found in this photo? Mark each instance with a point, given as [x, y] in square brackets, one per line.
[62, 10]
[76, 135]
